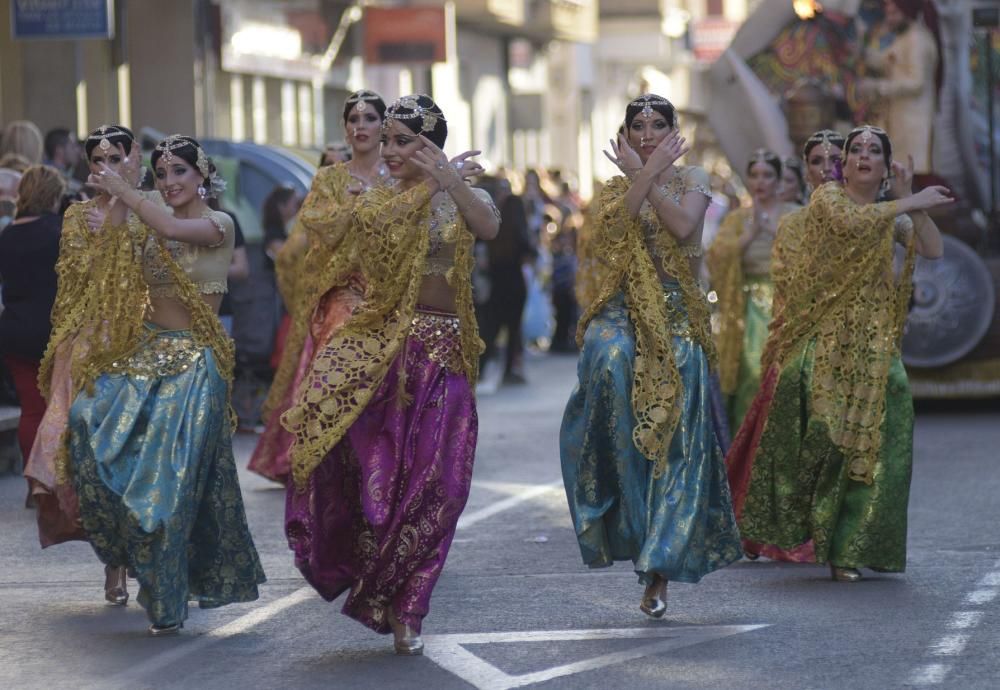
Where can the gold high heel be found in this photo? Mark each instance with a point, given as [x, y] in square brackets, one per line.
[115, 588]
[654, 599]
[405, 640]
[844, 574]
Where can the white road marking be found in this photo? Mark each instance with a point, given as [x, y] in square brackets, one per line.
[950, 645]
[931, 674]
[130, 677]
[448, 651]
[965, 619]
[953, 644]
[469, 519]
[982, 596]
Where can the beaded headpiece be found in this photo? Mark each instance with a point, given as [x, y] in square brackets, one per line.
[102, 135]
[827, 138]
[866, 132]
[646, 101]
[428, 118]
[763, 156]
[360, 99]
[178, 141]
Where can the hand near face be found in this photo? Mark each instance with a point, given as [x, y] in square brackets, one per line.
[433, 161]
[667, 152]
[131, 168]
[623, 155]
[95, 218]
[901, 183]
[932, 197]
[109, 182]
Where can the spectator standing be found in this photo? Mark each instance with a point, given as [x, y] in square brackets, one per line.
[22, 138]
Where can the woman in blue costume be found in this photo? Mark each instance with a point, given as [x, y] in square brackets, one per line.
[643, 470]
[150, 439]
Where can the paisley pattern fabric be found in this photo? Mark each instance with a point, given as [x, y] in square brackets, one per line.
[153, 468]
[798, 495]
[346, 371]
[378, 515]
[678, 524]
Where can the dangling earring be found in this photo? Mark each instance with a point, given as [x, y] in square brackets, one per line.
[202, 192]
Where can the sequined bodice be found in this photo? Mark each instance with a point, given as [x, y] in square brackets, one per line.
[207, 267]
[684, 180]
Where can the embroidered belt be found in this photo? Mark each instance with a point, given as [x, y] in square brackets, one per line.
[160, 356]
[678, 322]
[440, 334]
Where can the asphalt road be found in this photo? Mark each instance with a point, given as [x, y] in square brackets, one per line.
[515, 606]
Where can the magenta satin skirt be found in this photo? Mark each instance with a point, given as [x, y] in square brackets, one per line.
[379, 514]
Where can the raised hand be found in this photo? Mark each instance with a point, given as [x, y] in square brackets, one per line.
[624, 156]
[467, 168]
[932, 197]
[131, 164]
[433, 161]
[109, 182]
[901, 183]
[667, 152]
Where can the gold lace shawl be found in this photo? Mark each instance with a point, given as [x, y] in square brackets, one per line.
[110, 307]
[725, 265]
[843, 293]
[618, 240]
[392, 242]
[325, 226]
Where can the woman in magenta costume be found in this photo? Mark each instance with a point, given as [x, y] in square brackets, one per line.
[385, 420]
[320, 294]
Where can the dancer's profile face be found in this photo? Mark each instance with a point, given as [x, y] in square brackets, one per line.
[399, 143]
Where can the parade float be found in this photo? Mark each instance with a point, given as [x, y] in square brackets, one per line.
[797, 67]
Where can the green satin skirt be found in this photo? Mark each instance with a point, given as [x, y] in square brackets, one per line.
[760, 294]
[799, 486]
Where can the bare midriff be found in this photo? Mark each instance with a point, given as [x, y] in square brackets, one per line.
[436, 293]
[171, 314]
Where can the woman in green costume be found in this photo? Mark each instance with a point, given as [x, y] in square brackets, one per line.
[739, 262]
[825, 451]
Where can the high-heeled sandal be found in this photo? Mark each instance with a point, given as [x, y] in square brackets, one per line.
[115, 587]
[165, 630]
[844, 574]
[654, 599]
[405, 640]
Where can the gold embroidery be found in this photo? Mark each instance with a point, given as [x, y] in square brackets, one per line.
[621, 241]
[440, 336]
[163, 356]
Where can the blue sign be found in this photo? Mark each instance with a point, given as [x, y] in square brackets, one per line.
[62, 19]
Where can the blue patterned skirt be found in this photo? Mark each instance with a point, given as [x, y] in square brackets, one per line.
[679, 526]
[152, 459]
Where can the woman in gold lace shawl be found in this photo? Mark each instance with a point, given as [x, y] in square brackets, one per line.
[385, 419]
[80, 249]
[149, 446]
[825, 452]
[739, 262]
[318, 271]
[640, 457]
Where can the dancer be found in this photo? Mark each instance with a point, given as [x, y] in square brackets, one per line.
[150, 436]
[792, 189]
[385, 420]
[318, 268]
[641, 464]
[739, 262]
[81, 242]
[825, 452]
